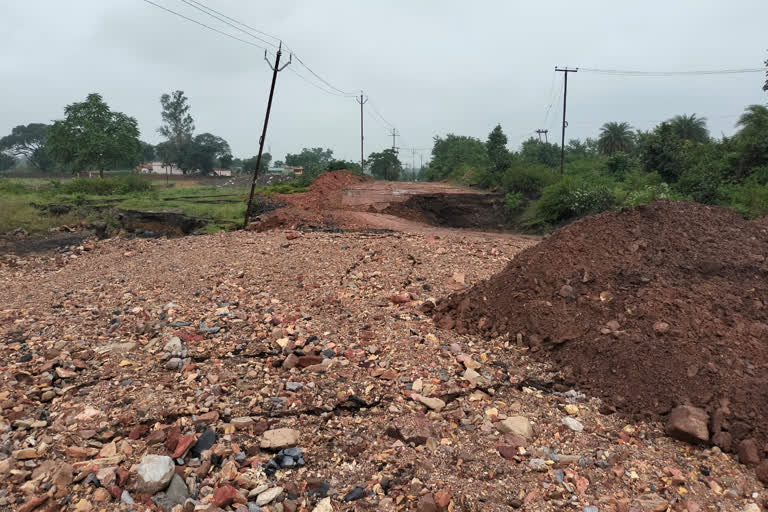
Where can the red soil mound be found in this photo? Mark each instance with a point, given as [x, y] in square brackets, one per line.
[326, 191]
[652, 308]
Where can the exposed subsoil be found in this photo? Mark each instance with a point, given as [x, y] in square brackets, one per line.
[341, 199]
[651, 308]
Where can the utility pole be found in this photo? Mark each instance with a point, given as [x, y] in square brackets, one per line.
[565, 72]
[362, 102]
[275, 70]
[545, 134]
[394, 134]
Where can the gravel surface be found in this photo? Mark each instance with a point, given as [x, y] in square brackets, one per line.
[297, 371]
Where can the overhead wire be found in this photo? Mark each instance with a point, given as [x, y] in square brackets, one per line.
[204, 25]
[627, 72]
[372, 106]
[202, 8]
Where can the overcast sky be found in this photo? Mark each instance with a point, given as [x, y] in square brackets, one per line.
[430, 66]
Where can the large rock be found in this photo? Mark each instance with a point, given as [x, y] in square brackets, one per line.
[516, 425]
[689, 424]
[154, 474]
[279, 438]
[749, 454]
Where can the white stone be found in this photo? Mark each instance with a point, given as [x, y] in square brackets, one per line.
[154, 473]
[279, 438]
[268, 495]
[516, 425]
[572, 424]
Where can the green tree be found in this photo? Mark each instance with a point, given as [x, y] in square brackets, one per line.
[6, 161]
[202, 153]
[661, 151]
[94, 137]
[337, 165]
[250, 164]
[147, 152]
[226, 160]
[454, 155]
[539, 152]
[751, 141]
[385, 165]
[690, 127]
[29, 142]
[616, 137]
[313, 160]
[499, 157]
[178, 126]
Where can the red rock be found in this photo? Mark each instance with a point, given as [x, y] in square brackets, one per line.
[32, 503]
[305, 361]
[689, 424]
[122, 476]
[225, 495]
[172, 439]
[762, 471]
[137, 432]
[748, 452]
[508, 452]
[156, 436]
[115, 491]
[292, 236]
[77, 452]
[443, 499]
[207, 418]
[290, 362]
[184, 444]
[660, 327]
[427, 504]
[723, 440]
[400, 299]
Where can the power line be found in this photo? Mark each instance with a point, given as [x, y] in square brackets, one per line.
[376, 111]
[204, 25]
[239, 22]
[625, 72]
[203, 10]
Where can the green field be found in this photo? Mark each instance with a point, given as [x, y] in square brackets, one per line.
[37, 204]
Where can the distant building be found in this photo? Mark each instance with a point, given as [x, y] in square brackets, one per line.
[285, 170]
[222, 172]
[159, 168]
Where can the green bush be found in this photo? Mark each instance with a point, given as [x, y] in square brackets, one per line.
[105, 187]
[16, 188]
[749, 199]
[513, 201]
[529, 179]
[701, 183]
[573, 197]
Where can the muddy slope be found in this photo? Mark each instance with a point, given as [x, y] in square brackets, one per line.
[663, 305]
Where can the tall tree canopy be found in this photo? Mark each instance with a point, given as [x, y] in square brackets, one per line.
[499, 157]
[385, 165]
[313, 160]
[454, 155]
[539, 152]
[616, 137]
[249, 165]
[202, 153]
[178, 125]
[690, 127]
[752, 138]
[93, 137]
[29, 141]
[6, 161]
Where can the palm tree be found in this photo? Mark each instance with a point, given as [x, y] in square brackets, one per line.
[754, 120]
[615, 137]
[690, 127]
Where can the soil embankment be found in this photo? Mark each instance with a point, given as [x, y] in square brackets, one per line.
[652, 308]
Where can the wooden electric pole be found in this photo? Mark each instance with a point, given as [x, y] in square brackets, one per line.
[275, 70]
[565, 72]
[362, 102]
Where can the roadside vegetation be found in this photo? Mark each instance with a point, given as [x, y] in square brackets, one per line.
[620, 168]
[37, 205]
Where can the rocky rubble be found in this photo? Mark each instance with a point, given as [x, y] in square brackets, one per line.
[302, 385]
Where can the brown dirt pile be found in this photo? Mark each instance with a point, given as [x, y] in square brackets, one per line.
[326, 191]
[663, 305]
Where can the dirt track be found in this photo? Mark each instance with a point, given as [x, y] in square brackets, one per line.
[341, 200]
